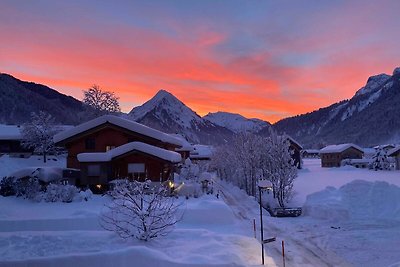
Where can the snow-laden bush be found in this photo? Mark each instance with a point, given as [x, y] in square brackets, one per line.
[60, 193]
[28, 187]
[140, 211]
[189, 170]
[7, 186]
[380, 160]
[84, 195]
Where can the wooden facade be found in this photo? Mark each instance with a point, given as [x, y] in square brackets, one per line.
[14, 148]
[395, 152]
[104, 138]
[296, 156]
[334, 159]
[155, 169]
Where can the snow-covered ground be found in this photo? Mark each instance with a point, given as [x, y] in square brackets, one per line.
[68, 234]
[352, 223]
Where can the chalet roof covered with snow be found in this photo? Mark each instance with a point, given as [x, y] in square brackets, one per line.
[10, 132]
[201, 151]
[339, 148]
[117, 121]
[294, 141]
[185, 145]
[13, 132]
[161, 153]
[394, 151]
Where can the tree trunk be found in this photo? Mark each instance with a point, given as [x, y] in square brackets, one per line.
[44, 157]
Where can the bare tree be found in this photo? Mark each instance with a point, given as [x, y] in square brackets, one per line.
[279, 167]
[103, 102]
[140, 211]
[249, 158]
[38, 133]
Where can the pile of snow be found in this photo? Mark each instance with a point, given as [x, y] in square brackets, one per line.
[357, 200]
[10, 165]
[44, 174]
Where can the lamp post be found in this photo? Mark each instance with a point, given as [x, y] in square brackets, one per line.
[263, 184]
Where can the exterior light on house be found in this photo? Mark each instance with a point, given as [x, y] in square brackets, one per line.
[171, 184]
[98, 186]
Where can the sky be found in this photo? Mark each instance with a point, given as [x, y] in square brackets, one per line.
[264, 59]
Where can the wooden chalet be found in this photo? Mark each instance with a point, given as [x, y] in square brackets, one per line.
[110, 147]
[201, 153]
[10, 142]
[332, 156]
[395, 152]
[296, 148]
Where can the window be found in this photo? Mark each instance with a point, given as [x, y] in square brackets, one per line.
[93, 170]
[90, 143]
[136, 168]
[109, 148]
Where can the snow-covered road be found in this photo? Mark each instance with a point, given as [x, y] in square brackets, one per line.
[298, 251]
[333, 236]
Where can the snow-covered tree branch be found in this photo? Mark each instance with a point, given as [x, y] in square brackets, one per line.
[250, 158]
[141, 211]
[38, 133]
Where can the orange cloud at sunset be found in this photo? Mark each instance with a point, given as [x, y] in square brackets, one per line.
[260, 68]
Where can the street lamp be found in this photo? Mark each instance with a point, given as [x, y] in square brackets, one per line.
[262, 185]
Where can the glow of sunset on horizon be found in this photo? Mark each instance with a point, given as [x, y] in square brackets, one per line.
[264, 59]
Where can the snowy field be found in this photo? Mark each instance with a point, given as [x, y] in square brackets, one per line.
[350, 223]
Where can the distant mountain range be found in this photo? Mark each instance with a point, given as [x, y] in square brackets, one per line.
[18, 99]
[369, 118]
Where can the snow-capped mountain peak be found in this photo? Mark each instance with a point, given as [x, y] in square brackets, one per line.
[167, 113]
[373, 84]
[236, 122]
[163, 104]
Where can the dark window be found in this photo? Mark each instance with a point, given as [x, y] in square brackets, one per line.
[90, 143]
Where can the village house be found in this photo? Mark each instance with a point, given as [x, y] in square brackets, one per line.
[296, 148]
[201, 153]
[185, 149]
[395, 152]
[310, 153]
[110, 147]
[332, 156]
[10, 142]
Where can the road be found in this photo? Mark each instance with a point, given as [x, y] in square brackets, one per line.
[302, 246]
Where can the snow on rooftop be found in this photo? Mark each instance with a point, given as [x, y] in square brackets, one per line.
[339, 148]
[13, 132]
[10, 132]
[185, 145]
[124, 123]
[393, 151]
[294, 141]
[201, 151]
[161, 153]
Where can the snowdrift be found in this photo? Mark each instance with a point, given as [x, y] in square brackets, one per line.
[357, 200]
